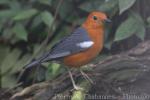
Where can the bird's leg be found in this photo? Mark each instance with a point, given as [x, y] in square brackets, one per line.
[86, 77]
[73, 82]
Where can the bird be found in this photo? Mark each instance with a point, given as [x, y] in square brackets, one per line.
[80, 47]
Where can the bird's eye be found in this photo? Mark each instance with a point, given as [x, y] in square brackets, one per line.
[94, 17]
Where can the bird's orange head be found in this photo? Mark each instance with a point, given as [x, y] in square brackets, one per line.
[96, 19]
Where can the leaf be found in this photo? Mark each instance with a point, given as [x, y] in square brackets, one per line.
[78, 95]
[36, 21]
[3, 52]
[126, 29]
[8, 81]
[90, 5]
[47, 18]
[148, 20]
[25, 14]
[109, 6]
[4, 1]
[7, 13]
[8, 62]
[20, 32]
[2, 23]
[15, 5]
[133, 25]
[125, 5]
[47, 2]
[141, 33]
[7, 33]
[54, 69]
[21, 63]
[66, 10]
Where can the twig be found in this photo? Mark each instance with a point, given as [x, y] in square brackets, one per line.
[19, 84]
[50, 29]
[107, 71]
[43, 44]
[49, 35]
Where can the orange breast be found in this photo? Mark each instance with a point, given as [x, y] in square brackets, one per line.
[82, 58]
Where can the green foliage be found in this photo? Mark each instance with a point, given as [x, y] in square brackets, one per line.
[46, 2]
[47, 18]
[78, 95]
[6, 67]
[101, 5]
[133, 25]
[53, 70]
[90, 5]
[36, 21]
[7, 13]
[66, 8]
[148, 20]
[9, 60]
[26, 14]
[20, 31]
[110, 6]
[81, 94]
[26, 23]
[125, 5]
[4, 1]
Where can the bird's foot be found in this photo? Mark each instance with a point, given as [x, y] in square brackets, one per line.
[86, 77]
[77, 88]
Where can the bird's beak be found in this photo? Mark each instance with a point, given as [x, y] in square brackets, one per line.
[104, 21]
[107, 21]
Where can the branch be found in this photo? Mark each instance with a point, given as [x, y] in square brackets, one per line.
[109, 75]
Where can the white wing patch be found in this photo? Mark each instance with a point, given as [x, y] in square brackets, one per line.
[85, 44]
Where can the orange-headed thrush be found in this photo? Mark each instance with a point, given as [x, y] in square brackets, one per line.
[79, 48]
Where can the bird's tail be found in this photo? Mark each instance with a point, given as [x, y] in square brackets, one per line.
[33, 63]
[27, 68]
[38, 60]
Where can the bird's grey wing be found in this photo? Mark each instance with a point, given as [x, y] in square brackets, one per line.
[78, 41]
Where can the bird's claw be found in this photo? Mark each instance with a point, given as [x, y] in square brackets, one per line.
[77, 88]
